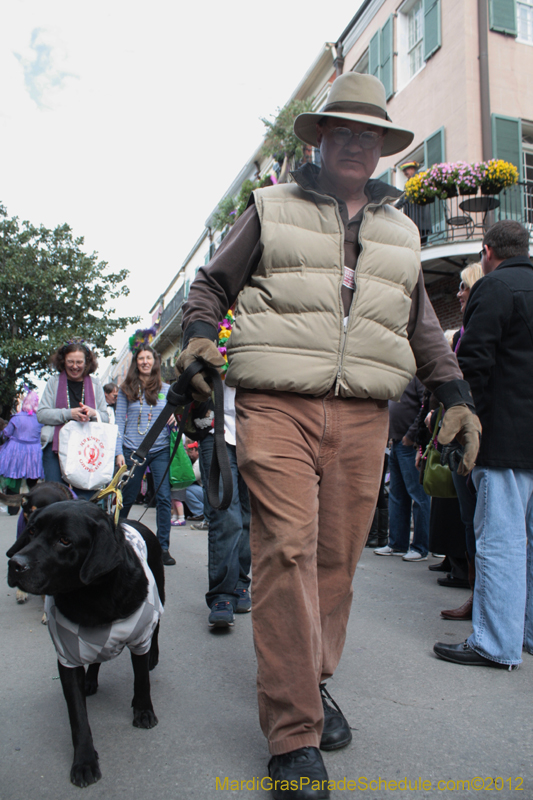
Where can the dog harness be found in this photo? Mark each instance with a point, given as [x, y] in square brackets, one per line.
[79, 645]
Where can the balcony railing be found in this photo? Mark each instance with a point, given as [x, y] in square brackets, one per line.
[467, 217]
[172, 309]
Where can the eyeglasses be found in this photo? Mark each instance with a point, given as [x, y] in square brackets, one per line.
[482, 253]
[463, 287]
[366, 139]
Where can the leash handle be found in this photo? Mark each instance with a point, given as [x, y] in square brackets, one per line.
[179, 394]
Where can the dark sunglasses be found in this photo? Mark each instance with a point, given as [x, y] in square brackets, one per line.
[482, 253]
[463, 287]
[366, 139]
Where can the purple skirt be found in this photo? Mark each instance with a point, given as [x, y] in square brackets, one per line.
[18, 460]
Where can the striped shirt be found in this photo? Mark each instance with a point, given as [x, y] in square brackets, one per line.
[129, 424]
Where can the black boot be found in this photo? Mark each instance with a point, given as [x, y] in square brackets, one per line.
[372, 540]
[383, 526]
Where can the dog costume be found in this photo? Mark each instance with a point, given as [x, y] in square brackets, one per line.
[79, 645]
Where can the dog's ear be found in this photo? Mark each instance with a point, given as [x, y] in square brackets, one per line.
[107, 550]
[21, 542]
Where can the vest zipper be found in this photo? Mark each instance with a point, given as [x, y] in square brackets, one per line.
[346, 320]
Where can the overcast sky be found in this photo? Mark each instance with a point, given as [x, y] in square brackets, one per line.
[129, 120]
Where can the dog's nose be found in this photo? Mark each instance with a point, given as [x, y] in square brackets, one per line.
[18, 564]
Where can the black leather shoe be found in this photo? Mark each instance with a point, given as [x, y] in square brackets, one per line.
[449, 580]
[336, 732]
[462, 653]
[442, 566]
[168, 561]
[299, 775]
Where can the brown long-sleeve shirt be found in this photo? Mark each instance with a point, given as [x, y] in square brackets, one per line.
[218, 284]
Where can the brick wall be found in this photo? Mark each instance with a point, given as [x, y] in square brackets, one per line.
[443, 295]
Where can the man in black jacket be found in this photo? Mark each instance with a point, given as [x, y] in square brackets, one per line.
[496, 357]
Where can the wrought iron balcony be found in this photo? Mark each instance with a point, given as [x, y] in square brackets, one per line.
[465, 218]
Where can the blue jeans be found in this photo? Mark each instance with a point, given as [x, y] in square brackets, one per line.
[193, 495]
[229, 533]
[158, 462]
[52, 472]
[406, 494]
[502, 616]
[467, 505]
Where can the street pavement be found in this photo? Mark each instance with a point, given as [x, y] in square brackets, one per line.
[416, 719]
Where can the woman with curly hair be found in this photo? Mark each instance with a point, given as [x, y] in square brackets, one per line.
[20, 455]
[141, 398]
[71, 394]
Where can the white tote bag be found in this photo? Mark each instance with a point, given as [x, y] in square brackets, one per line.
[87, 453]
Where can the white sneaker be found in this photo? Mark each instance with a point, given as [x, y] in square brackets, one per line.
[388, 551]
[414, 555]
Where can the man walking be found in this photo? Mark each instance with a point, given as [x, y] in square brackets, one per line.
[496, 356]
[332, 321]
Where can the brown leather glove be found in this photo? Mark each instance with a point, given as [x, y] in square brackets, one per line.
[462, 423]
[210, 353]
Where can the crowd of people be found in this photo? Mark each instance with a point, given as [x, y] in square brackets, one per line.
[337, 359]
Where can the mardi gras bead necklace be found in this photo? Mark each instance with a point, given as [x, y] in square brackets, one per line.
[150, 409]
[224, 332]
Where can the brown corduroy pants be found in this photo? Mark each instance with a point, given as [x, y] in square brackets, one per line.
[313, 469]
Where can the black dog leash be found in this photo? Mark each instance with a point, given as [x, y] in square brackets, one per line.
[179, 395]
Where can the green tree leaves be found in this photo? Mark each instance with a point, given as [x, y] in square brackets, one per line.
[50, 292]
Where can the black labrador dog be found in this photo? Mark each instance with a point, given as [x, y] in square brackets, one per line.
[105, 589]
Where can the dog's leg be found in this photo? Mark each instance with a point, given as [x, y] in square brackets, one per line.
[154, 649]
[22, 597]
[91, 679]
[143, 710]
[85, 769]
[44, 618]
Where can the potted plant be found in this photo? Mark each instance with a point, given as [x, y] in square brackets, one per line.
[496, 175]
[420, 189]
[443, 176]
[467, 177]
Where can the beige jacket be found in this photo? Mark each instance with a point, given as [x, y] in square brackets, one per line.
[289, 333]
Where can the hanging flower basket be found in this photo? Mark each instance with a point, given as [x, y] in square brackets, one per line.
[449, 191]
[420, 190]
[442, 177]
[497, 175]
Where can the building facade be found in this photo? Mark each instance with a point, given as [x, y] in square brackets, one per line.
[457, 73]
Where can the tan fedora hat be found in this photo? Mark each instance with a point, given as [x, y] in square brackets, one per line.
[359, 98]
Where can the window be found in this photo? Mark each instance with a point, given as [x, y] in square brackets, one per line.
[524, 18]
[418, 37]
[415, 21]
[415, 155]
[527, 169]
[362, 64]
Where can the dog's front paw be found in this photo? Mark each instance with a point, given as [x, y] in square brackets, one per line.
[85, 772]
[22, 597]
[144, 718]
[44, 619]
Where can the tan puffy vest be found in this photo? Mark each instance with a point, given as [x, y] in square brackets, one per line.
[289, 332]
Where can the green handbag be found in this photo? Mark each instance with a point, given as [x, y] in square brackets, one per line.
[181, 472]
[437, 478]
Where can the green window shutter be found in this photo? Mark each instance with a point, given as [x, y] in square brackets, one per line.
[507, 144]
[434, 149]
[507, 139]
[502, 16]
[387, 50]
[374, 57]
[432, 32]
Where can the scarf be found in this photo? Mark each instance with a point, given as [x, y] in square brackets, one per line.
[62, 401]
